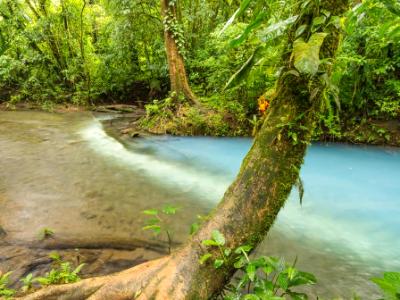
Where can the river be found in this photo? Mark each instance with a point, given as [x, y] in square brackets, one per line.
[64, 172]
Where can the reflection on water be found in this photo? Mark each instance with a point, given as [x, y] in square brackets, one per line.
[58, 168]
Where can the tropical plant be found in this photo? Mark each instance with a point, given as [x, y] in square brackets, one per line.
[62, 272]
[27, 283]
[390, 285]
[159, 222]
[259, 278]
[5, 291]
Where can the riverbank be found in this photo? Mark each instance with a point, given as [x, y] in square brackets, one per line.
[132, 121]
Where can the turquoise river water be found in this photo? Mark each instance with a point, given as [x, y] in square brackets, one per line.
[346, 231]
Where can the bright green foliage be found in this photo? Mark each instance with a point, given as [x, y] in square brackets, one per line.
[27, 282]
[306, 54]
[217, 241]
[159, 221]
[174, 115]
[76, 51]
[260, 278]
[5, 292]
[390, 285]
[268, 278]
[368, 66]
[61, 273]
[85, 52]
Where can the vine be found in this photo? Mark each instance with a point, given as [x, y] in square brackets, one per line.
[172, 25]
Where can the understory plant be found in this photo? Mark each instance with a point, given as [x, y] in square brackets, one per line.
[62, 272]
[258, 278]
[390, 285]
[5, 291]
[159, 222]
[177, 117]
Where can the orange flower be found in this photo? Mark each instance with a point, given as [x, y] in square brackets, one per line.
[263, 104]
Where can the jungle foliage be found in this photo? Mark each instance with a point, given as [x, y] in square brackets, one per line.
[86, 52]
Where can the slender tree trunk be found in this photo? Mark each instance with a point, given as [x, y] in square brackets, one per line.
[177, 72]
[248, 208]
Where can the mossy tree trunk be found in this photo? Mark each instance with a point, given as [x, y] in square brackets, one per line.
[174, 47]
[248, 208]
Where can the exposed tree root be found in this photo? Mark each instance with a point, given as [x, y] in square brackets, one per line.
[129, 284]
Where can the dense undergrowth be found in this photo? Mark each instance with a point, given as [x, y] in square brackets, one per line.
[90, 52]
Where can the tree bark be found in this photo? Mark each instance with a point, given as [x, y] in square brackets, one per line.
[248, 208]
[176, 65]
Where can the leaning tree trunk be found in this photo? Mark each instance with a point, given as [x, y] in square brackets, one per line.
[248, 208]
[174, 46]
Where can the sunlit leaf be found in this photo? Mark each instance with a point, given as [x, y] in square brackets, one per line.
[260, 18]
[251, 271]
[205, 258]
[243, 6]
[306, 54]
[152, 212]
[218, 263]
[244, 70]
[389, 284]
[276, 29]
[209, 243]
[300, 30]
[218, 237]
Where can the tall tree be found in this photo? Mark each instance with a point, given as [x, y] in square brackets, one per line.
[175, 48]
[270, 169]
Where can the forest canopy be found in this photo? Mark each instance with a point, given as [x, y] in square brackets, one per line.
[87, 52]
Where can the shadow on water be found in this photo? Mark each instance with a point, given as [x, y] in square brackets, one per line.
[64, 172]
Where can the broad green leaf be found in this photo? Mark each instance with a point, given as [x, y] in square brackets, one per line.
[194, 228]
[240, 263]
[283, 281]
[317, 22]
[306, 54]
[300, 30]
[218, 237]
[389, 284]
[258, 20]
[291, 273]
[243, 6]
[276, 29]
[335, 21]
[244, 248]
[204, 258]
[244, 69]
[209, 243]
[251, 271]
[302, 278]
[218, 263]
